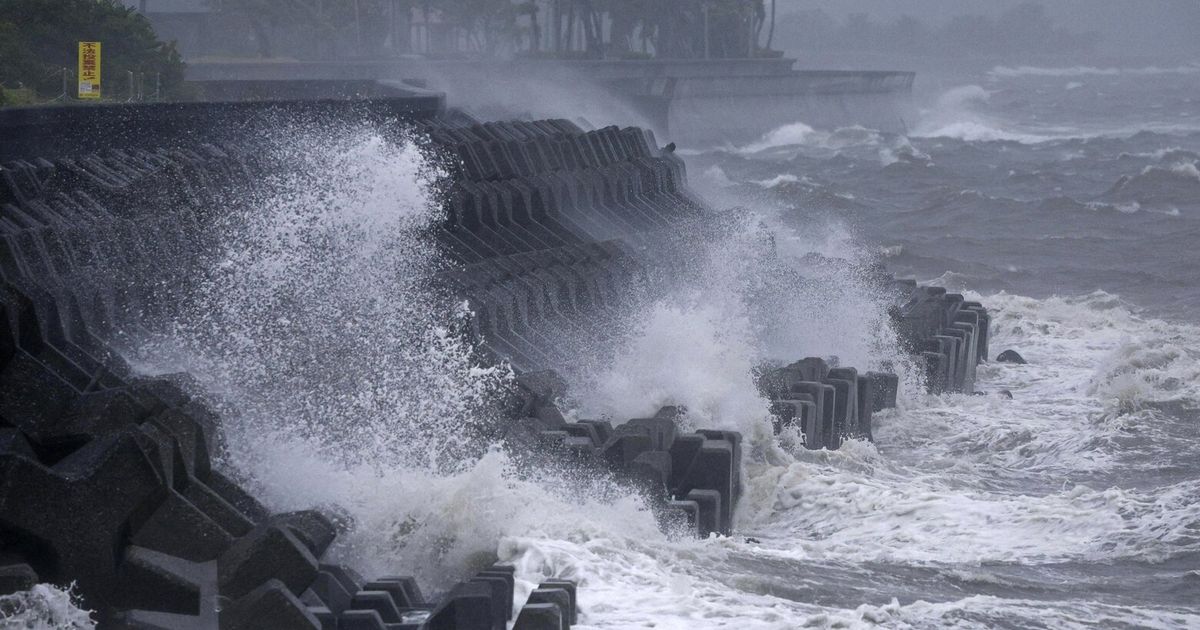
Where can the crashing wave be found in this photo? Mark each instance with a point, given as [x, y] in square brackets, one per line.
[1080, 71]
[799, 135]
[44, 607]
[1171, 185]
[957, 115]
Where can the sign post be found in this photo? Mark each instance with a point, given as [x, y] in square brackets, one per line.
[89, 70]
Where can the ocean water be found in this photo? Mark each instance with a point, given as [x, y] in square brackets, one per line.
[1067, 200]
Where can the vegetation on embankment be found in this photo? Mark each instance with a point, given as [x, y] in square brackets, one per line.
[39, 43]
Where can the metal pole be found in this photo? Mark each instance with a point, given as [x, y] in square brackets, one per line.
[571, 26]
[771, 31]
[358, 37]
[555, 23]
[751, 40]
[706, 30]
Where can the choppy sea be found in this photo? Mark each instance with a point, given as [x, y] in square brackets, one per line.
[1067, 200]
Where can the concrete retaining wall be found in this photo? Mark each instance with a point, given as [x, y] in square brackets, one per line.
[673, 96]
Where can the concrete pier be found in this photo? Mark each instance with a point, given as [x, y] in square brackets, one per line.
[694, 100]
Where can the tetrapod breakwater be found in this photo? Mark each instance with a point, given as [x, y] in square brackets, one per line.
[112, 479]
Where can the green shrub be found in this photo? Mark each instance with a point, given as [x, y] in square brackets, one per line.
[33, 55]
[19, 96]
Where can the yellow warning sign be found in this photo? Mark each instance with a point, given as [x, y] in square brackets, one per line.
[89, 69]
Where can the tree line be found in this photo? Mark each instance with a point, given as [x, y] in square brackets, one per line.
[581, 28]
[39, 47]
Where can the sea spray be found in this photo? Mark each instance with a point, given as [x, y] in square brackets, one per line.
[344, 375]
[756, 292]
[352, 384]
[441, 527]
[44, 607]
[320, 318]
[1065, 506]
[959, 113]
[1073, 504]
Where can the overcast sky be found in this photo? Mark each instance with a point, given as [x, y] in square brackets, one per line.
[1136, 26]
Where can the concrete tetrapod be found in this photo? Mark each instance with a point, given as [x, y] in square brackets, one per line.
[108, 478]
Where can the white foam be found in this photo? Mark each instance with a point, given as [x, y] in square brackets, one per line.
[778, 180]
[961, 113]
[982, 611]
[957, 114]
[312, 284]
[976, 131]
[626, 583]
[697, 345]
[386, 445]
[901, 148]
[715, 176]
[1109, 342]
[946, 460]
[963, 95]
[44, 607]
[1186, 169]
[853, 136]
[793, 136]
[1157, 154]
[688, 354]
[1080, 71]
[444, 527]
[335, 365]
[790, 135]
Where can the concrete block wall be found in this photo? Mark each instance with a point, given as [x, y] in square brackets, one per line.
[107, 476]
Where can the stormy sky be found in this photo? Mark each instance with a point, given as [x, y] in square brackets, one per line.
[1127, 27]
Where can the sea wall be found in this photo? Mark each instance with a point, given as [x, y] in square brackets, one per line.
[52, 132]
[107, 476]
[695, 101]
